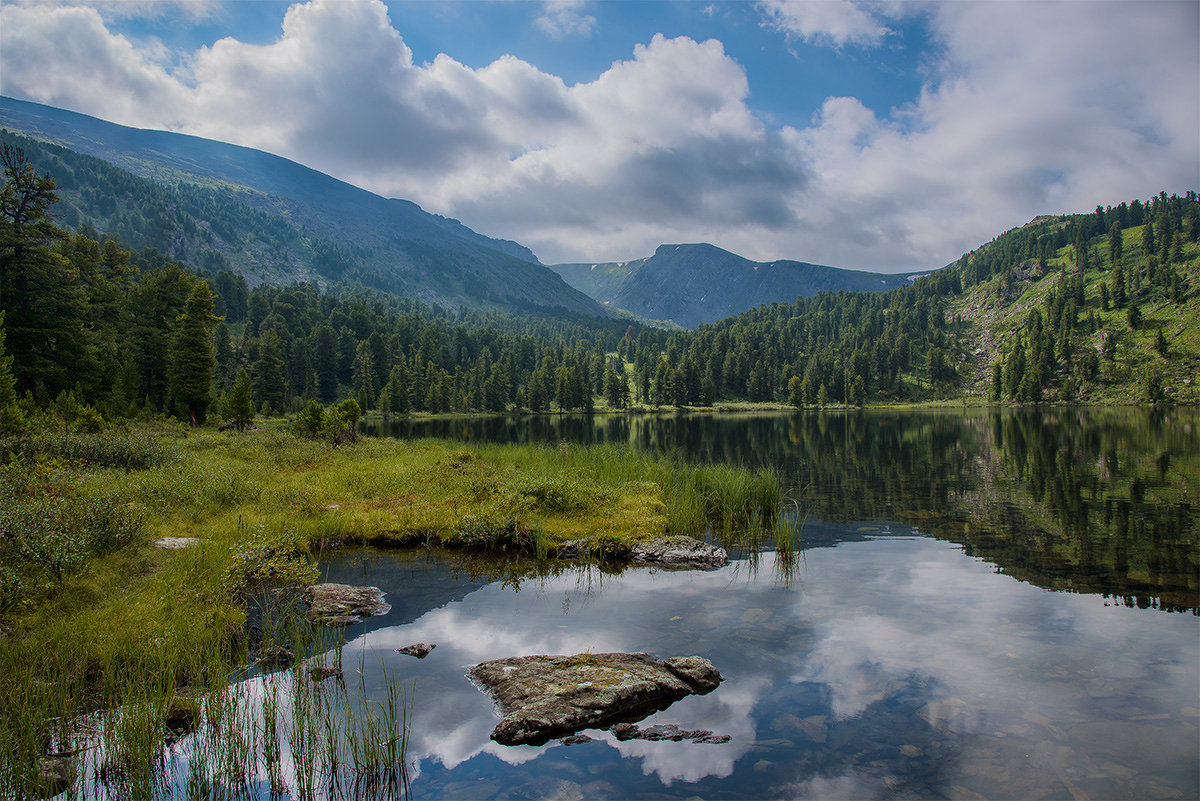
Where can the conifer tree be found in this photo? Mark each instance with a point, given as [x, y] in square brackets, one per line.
[270, 384]
[239, 406]
[1160, 343]
[192, 358]
[364, 375]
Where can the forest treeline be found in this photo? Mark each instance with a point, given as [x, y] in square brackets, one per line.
[89, 323]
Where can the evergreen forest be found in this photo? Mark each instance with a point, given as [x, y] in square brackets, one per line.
[99, 326]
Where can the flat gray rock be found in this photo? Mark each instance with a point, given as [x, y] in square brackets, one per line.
[175, 543]
[677, 551]
[342, 604]
[543, 697]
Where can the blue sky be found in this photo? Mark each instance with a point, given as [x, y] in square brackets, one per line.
[875, 135]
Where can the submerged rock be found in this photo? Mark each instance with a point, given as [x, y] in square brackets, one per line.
[56, 772]
[666, 731]
[418, 649]
[677, 551]
[274, 658]
[320, 672]
[342, 604]
[576, 739]
[550, 696]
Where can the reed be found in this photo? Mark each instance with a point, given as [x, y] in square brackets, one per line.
[113, 628]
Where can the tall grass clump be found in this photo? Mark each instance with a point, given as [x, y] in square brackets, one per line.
[731, 501]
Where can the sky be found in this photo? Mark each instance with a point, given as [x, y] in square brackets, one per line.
[883, 135]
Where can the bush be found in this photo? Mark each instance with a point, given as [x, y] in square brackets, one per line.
[109, 448]
[48, 530]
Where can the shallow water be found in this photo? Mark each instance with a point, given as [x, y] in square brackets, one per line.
[984, 605]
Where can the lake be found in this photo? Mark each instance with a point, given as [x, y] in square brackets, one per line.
[983, 605]
[993, 605]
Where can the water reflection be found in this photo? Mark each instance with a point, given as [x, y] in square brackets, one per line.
[893, 665]
[1096, 501]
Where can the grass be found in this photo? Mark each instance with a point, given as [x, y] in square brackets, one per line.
[109, 627]
[1123, 380]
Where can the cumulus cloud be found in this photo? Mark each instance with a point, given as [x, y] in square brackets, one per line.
[1028, 109]
[1038, 107]
[836, 22]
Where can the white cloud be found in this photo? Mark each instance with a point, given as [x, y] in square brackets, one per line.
[1030, 108]
[1039, 107]
[835, 22]
[562, 18]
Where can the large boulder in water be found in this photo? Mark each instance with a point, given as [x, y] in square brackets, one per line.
[677, 551]
[342, 604]
[550, 696]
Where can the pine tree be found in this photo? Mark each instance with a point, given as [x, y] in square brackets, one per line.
[40, 292]
[270, 384]
[239, 406]
[192, 358]
[1115, 243]
[12, 420]
[364, 375]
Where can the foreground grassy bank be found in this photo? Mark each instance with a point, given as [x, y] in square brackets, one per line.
[94, 617]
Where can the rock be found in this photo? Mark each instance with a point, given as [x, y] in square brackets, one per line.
[175, 543]
[320, 672]
[341, 604]
[576, 739]
[573, 549]
[666, 731]
[418, 649]
[182, 714]
[275, 658]
[677, 551]
[696, 671]
[543, 697]
[625, 731]
[55, 772]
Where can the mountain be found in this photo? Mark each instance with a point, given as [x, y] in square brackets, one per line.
[1098, 308]
[701, 283]
[220, 205]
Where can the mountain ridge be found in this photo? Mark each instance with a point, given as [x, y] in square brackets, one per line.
[695, 283]
[388, 243]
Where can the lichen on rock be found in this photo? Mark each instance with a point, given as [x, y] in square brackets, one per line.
[544, 696]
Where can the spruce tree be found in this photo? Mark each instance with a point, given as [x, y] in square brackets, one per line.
[192, 358]
[239, 406]
[270, 384]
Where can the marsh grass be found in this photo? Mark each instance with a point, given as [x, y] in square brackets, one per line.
[119, 632]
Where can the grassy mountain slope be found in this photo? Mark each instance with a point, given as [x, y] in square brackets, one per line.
[701, 283]
[217, 205]
[1064, 309]
[1112, 355]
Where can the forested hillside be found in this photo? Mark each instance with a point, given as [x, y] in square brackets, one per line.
[219, 206]
[1100, 307]
[92, 329]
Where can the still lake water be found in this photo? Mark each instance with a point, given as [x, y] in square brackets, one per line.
[986, 605]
